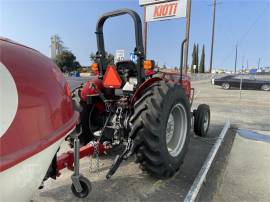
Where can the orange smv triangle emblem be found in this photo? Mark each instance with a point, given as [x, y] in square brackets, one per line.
[111, 78]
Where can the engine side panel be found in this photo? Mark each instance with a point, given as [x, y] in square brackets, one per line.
[44, 111]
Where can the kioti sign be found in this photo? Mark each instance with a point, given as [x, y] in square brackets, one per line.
[148, 2]
[166, 11]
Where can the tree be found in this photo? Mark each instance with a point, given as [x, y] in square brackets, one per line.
[193, 58]
[66, 61]
[164, 66]
[197, 59]
[202, 65]
[109, 58]
[93, 58]
[156, 66]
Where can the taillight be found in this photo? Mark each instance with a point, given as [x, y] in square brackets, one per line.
[67, 90]
[94, 67]
[148, 64]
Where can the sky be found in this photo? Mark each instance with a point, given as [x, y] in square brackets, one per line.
[242, 22]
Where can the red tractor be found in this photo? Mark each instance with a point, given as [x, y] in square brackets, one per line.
[148, 111]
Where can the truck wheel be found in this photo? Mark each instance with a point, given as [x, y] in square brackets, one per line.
[161, 127]
[86, 188]
[226, 86]
[265, 87]
[201, 120]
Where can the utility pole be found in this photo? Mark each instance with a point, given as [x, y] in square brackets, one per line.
[259, 63]
[187, 35]
[145, 33]
[213, 35]
[243, 60]
[235, 61]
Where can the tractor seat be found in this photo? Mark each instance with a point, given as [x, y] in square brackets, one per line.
[126, 68]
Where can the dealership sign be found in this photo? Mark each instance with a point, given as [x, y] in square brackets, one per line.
[166, 11]
[148, 2]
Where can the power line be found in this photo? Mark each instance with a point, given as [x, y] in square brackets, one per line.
[254, 23]
[245, 33]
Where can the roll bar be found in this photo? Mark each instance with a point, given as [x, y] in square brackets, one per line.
[139, 49]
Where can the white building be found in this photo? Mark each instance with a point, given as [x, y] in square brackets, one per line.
[56, 46]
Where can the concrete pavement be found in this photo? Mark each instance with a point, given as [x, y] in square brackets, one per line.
[244, 174]
[251, 110]
[247, 174]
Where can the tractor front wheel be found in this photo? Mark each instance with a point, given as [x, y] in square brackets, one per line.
[201, 120]
[161, 128]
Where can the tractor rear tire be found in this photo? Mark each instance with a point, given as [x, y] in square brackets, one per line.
[161, 128]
